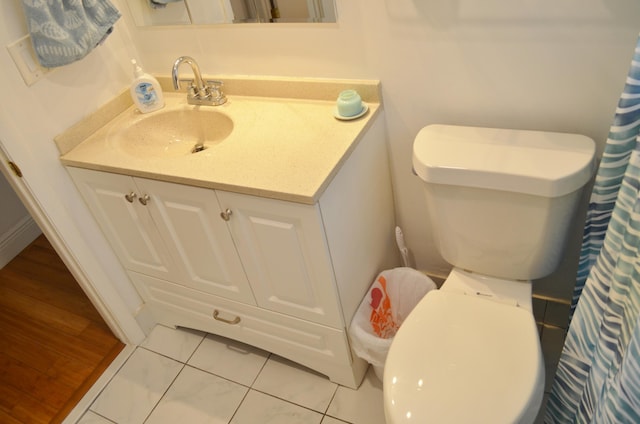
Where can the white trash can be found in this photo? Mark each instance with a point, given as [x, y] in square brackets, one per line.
[390, 299]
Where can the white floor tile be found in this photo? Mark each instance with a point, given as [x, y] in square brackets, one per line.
[197, 397]
[93, 418]
[295, 383]
[330, 420]
[264, 409]
[178, 344]
[362, 406]
[137, 387]
[229, 359]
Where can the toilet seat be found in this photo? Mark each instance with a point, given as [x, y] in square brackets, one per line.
[460, 358]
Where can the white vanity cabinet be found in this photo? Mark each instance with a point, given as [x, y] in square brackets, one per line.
[253, 269]
[280, 260]
[169, 231]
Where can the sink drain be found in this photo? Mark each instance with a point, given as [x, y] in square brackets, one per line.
[198, 148]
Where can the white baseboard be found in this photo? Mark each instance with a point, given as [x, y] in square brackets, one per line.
[17, 238]
[145, 319]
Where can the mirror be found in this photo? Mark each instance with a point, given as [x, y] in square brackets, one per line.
[208, 12]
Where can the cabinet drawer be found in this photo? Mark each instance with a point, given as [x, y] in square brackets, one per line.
[316, 346]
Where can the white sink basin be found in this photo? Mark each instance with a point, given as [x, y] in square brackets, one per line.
[173, 132]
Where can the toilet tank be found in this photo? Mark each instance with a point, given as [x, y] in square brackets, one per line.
[500, 202]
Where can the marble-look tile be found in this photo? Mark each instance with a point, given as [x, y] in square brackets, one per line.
[539, 306]
[330, 420]
[93, 418]
[178, 344]
[229, 359]
[552, 343]
[557, 314]
[197, 397]
[549, 375]
[362, 406]
[137, 387]
[264, 409]
[295, 383]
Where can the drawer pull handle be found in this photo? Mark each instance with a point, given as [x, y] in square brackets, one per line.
[216, 316]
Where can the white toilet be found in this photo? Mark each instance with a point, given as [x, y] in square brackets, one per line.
[500, 203]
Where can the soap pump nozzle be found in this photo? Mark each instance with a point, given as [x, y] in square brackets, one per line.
[137, 70]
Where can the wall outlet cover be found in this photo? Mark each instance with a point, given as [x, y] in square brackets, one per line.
[24, 56]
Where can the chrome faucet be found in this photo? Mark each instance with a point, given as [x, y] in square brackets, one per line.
[199, 92]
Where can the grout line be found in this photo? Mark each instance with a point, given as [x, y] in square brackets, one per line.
[551, 299]
[338, 419]
[335, 392]
[196, 349]
[100, 415]
[161, 354]
[285, 400]
[260, 372]
[240, 404]
[166, 390]
[185, 364]
[292, 403]
[99, 385]
[555, 327]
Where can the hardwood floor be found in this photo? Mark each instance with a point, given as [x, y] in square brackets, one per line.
[53, 343]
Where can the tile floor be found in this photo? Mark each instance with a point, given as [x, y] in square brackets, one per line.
[184, 376]
[553, 320]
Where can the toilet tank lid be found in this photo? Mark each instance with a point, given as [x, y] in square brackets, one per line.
[532, 162]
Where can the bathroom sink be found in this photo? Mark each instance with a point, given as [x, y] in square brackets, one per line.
[172, 132]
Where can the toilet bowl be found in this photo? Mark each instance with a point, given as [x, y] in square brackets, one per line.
[461, 357]
[500, 203]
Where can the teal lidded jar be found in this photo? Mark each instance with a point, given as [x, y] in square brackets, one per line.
[349, 103]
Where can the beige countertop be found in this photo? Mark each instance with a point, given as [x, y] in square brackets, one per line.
[282, 148]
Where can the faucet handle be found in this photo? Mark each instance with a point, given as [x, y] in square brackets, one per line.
[191, 88]
[215, 91]
[182, 81]
[215, 85]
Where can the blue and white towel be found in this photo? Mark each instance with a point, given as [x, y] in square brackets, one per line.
[64, 31]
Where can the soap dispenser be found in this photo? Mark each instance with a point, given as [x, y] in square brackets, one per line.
[145, 90]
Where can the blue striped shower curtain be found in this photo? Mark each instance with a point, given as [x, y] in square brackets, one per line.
[598, 377]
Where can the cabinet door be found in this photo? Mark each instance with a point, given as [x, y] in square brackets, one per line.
[283, 249]
[126, 224]
[188, 219]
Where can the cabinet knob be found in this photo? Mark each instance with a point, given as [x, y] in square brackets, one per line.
[144, 199]
[226, 215]
[130, 197]
[216, 316]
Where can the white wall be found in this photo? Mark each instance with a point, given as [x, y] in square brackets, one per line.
[506, 63]
[528, 64]
[11, 209]
[17, 229]
[29, 119]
